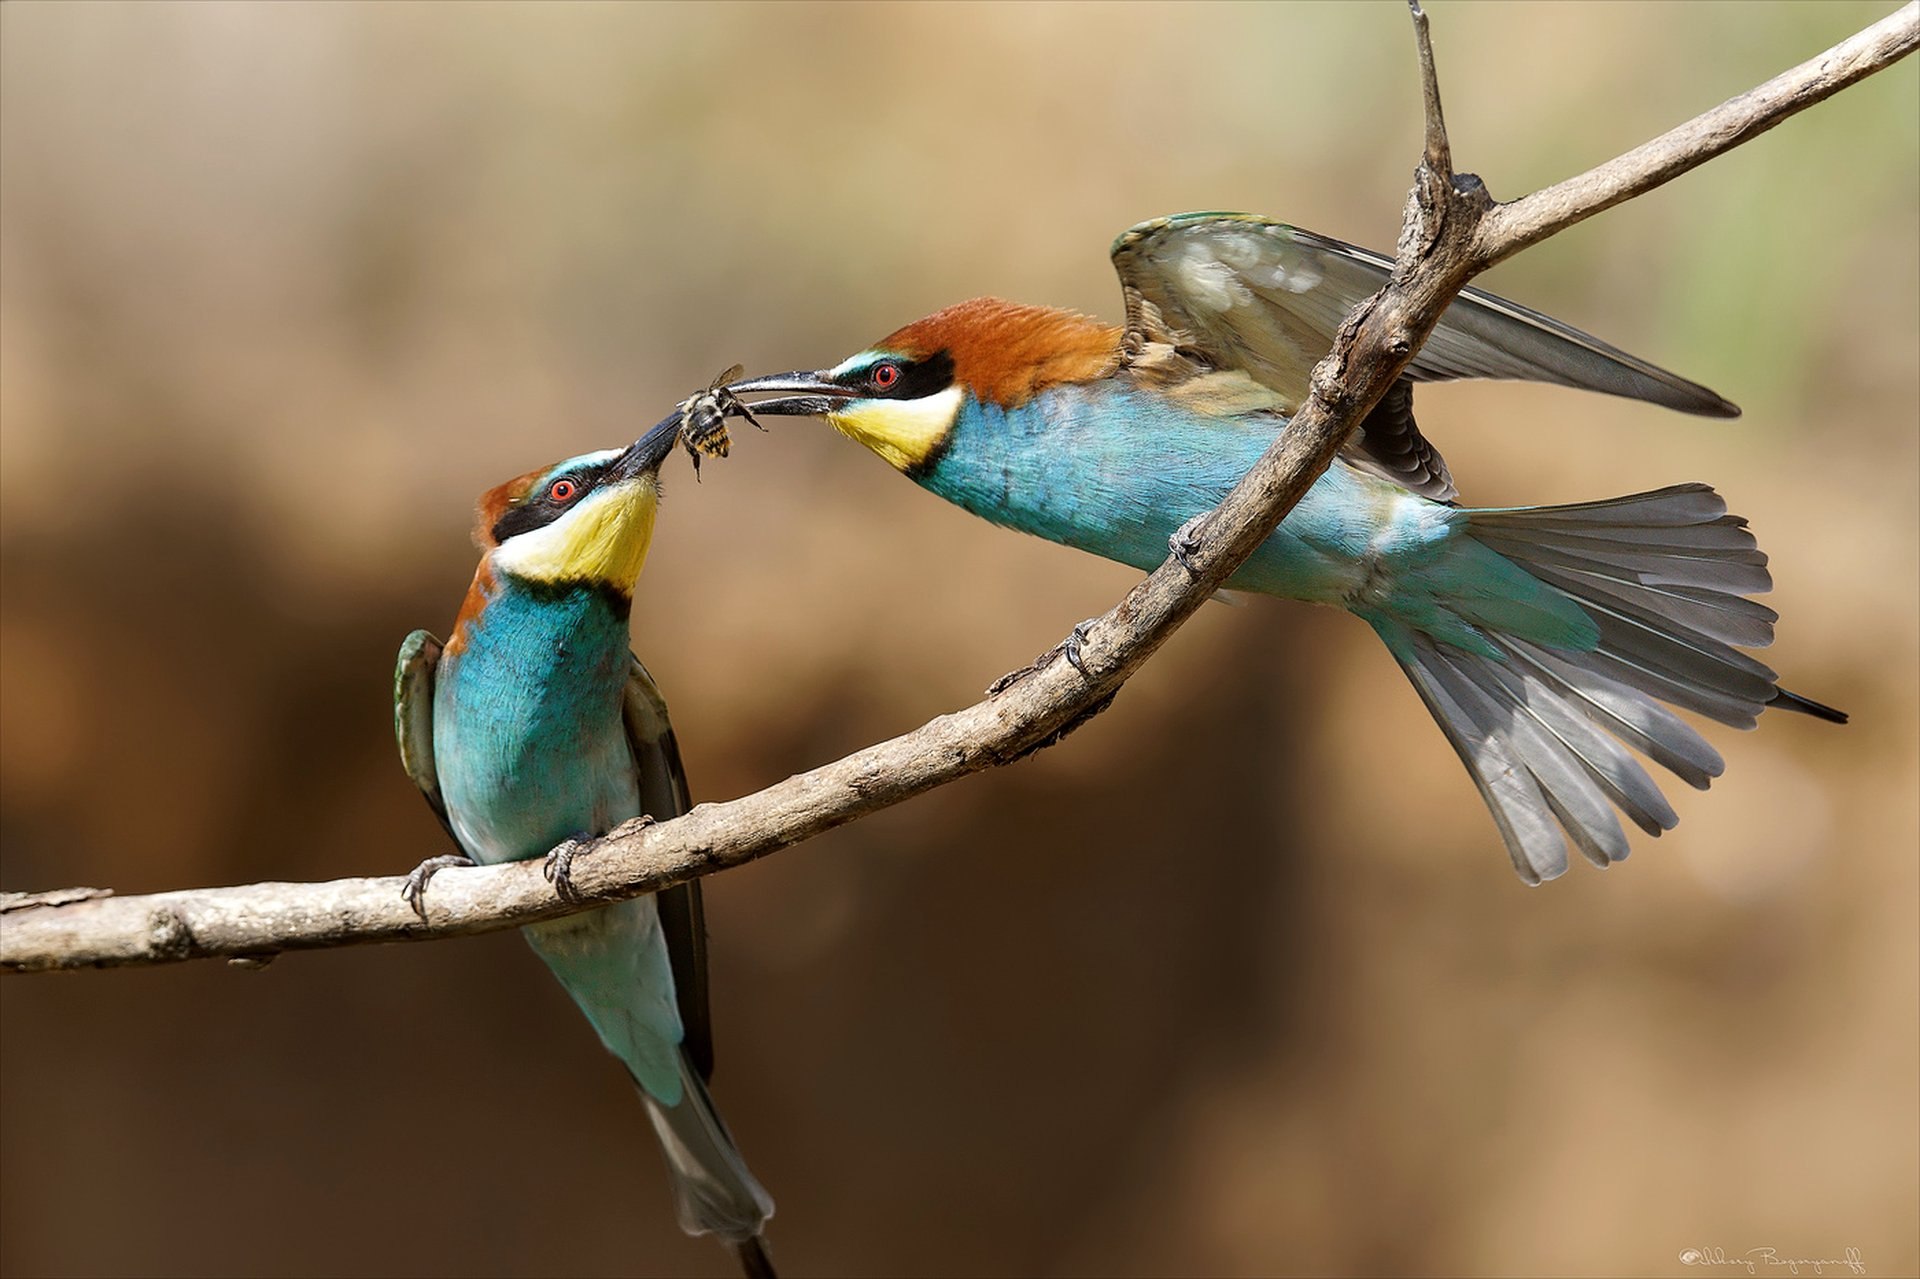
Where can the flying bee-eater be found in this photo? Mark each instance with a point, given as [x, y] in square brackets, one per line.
[534, 726]
[1544, 640]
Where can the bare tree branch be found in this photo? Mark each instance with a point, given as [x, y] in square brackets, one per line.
[1531, 219]
[1438, 155]
[1451, 231]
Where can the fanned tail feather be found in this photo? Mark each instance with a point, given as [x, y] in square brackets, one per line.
[712, 1190]
[1545, 731]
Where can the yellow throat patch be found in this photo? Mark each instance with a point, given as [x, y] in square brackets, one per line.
[903, 432]
[604, 539]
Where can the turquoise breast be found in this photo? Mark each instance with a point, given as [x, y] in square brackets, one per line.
[1114, 469]
[528, 738]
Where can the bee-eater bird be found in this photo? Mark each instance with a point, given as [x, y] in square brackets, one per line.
[535, 725]
[1543, 639]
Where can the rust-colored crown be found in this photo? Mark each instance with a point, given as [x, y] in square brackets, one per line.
[1005, 352]
[492, 505]
[495, 501]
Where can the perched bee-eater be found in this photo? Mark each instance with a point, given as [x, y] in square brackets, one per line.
[533, 726]
[1542, 639]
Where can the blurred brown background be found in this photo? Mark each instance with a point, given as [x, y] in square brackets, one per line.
[1238, 981]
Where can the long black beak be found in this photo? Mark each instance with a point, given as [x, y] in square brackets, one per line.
[816, 393]
[646, 454]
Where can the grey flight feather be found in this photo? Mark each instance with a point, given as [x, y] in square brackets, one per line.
[1240, 291]
[713, 1190]
[664, 794]
[1545, 732]
[1204, 271]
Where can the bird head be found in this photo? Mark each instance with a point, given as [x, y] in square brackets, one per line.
[585, 521]
[901, 396]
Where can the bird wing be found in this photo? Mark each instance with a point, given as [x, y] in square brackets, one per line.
[1389, 444]
[1246, 292]
[664, 795]
[413, 675]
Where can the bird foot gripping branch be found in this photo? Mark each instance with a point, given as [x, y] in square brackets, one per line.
[1072, 648]
[557, 869]
[1185, 542]
[414, 889]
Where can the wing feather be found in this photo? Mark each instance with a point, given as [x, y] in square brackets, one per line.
[1239, 291]
[413, 676]
[664, 794]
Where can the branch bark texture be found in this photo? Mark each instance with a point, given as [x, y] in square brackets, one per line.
[1451, 231]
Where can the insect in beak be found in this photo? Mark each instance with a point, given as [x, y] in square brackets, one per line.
[703, 418]
[817, 393]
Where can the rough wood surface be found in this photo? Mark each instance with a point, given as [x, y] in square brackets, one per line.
[1451, 231]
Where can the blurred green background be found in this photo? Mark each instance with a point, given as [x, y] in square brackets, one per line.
[1223, 985]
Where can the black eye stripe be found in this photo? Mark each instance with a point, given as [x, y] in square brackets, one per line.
[538, 509]
[918, 378]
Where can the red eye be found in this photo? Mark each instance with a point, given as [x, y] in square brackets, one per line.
[885, 376]
[563, 490]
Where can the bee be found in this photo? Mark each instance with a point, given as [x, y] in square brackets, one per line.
[703, 418]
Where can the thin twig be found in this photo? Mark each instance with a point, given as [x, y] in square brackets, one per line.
[1439, 157]
[1527, 221]
[1451, 233]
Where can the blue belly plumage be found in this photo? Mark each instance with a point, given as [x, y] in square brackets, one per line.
[528, 732]
[1115, 469]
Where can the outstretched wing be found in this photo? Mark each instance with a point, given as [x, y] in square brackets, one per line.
[664, 795]
[1245, 292]
[413, 675]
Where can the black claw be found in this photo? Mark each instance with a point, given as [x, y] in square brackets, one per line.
[1068, 648]
[1184, 542]
[1071, 645]
[558, 869]
[415, 887]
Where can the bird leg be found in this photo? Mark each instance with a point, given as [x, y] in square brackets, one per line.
[1185, 541]
[416, 886]
[558, 868]
[1068, 648]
